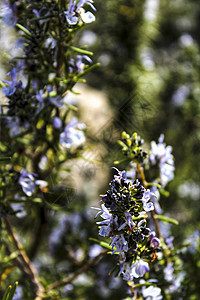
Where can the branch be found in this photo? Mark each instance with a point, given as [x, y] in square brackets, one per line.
[25, 264]
[77, 273]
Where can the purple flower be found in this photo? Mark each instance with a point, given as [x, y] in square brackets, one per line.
[107, 222]
[9, 14]
[155, 242]
[161, 154]
[28, 182]
[151, 292]
[120, 244]
[50, 42]
[57, 101]
[73, 136]
[169, 272]
[169, 241]
[57, 123]
[78, 65]
[155, 198]
[140, 268]
[148, 206]
[105, 214]
[131, 271]
[13, 123]
[19, 209]
[38, 15]
[83, 2]
[76, 14]
[12, 85]
[126, 271]
[70, 14]
[129, 221]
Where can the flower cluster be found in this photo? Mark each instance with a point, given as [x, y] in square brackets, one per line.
[131, 147]
[124, 211]
[158, 164]
[161, 155]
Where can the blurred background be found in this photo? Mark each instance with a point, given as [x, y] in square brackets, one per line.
[148, 82]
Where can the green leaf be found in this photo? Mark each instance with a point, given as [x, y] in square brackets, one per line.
[12, 256]
[154, 184]
[23, 141]
[79, 50]
[53, 94]
[164, 193]
[122, 144]
[72, 107]
[2, 84]
[7, 292]
[101, 243]
[166, 219]
[144, 284]
[23, 29]
[12, 292]
[88, 70]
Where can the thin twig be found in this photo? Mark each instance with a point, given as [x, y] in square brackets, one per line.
[77, 273]
[153, 212]
[133, 292]
[25, 265]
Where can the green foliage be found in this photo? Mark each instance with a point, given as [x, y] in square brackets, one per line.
[10, 292]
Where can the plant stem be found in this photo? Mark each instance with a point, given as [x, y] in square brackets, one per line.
[132, 291]
[25, 264]
[77, 273]
[153, 212]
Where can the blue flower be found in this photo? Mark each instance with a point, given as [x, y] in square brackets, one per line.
[136, 270]
[155, 198]
[140, 268]
[76, 14]
[78, 65]
[57, 123]
[169, 272]
[9, 14]
[126, 271]
[120, 244]
[73, 135]
[28, 182]
[13, 85]
[70, 14]
[108, 221]
[13, 123]
[153, 240]
[151, 292]
[148, 206]
[161, 154]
